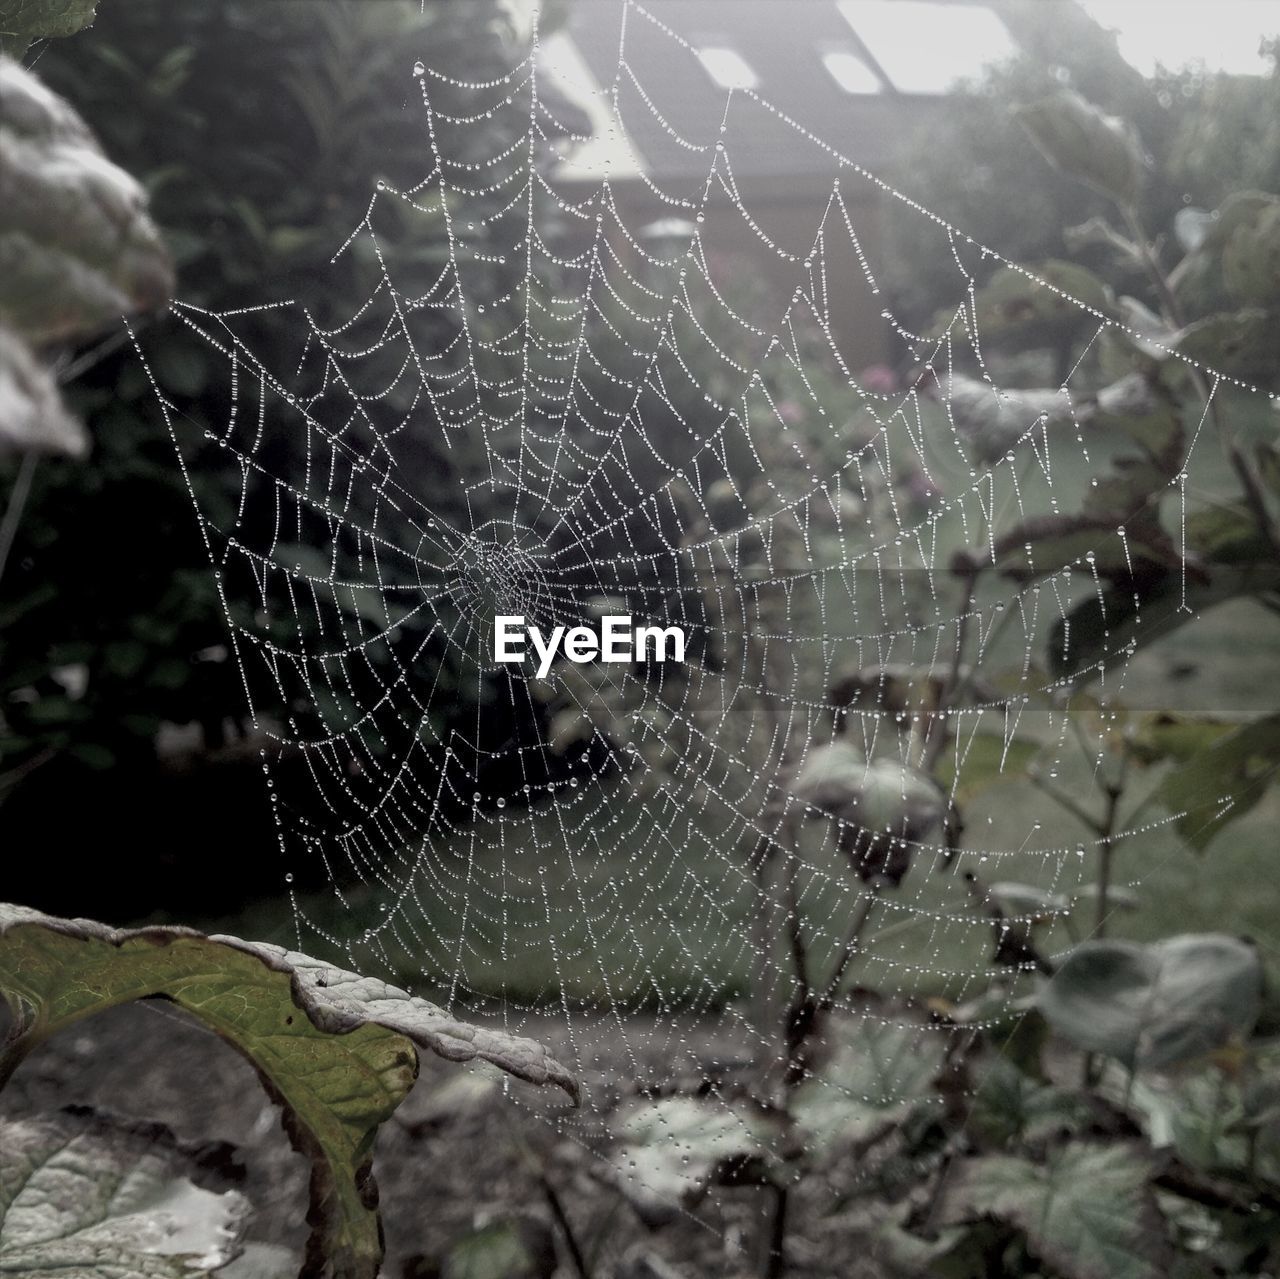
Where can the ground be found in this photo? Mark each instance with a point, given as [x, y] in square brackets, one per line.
[447, 1162]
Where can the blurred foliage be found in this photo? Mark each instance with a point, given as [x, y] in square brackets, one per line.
[110, 617]
[1203, 135]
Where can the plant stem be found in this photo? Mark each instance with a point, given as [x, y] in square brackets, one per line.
[1107, 840]
[773, 1262]
[1105, 849]
[851, 945]
[1060, 797]
[17, 501]
[938, 734]
[562, 1220]
[1249, 480]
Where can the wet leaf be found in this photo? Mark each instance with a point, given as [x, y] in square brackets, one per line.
[1087, 1212]
[336, 1050]
[82, 1196]
[879, 1074]
[1158, 1004]
[1141, 408]
[1087, 543]
[1009, 1106]
[672, 1148]
[1096, 630]
[1227, 535]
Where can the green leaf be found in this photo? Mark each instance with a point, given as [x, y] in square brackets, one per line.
[954, 1252]
[1194, 1116]
[1219, 784]
[1140, 407]
[1086, 143]
[83, 1196]
[33, 417]
[1240, 344]
[1009, 1105]
[1157, 1004]
[1041, 304]
[1169, 736]
[27, 20]
[1097, 630]
[1251, 253]
[879, 1074]
[1088, 542]
[337, 1051]
[1202, 280]
[78, 248]
[1087, 1212]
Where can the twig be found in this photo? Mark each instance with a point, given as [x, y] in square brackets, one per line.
[1236, 456]
[562, 1220]
[938, 735]
[773, 1263]
[1059, 796]
[17, 501]
[1106, 849]
[852, 942]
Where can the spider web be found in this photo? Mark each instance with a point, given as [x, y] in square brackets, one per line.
[618, 856]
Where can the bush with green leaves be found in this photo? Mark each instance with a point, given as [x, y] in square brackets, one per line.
[1106, 1112]
[172, 90]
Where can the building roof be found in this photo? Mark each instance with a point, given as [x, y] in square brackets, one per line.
[856, 73]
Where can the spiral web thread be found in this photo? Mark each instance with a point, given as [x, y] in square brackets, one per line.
[598, 869]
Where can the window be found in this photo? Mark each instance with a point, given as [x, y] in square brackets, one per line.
[850, 72]
[727, 67]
